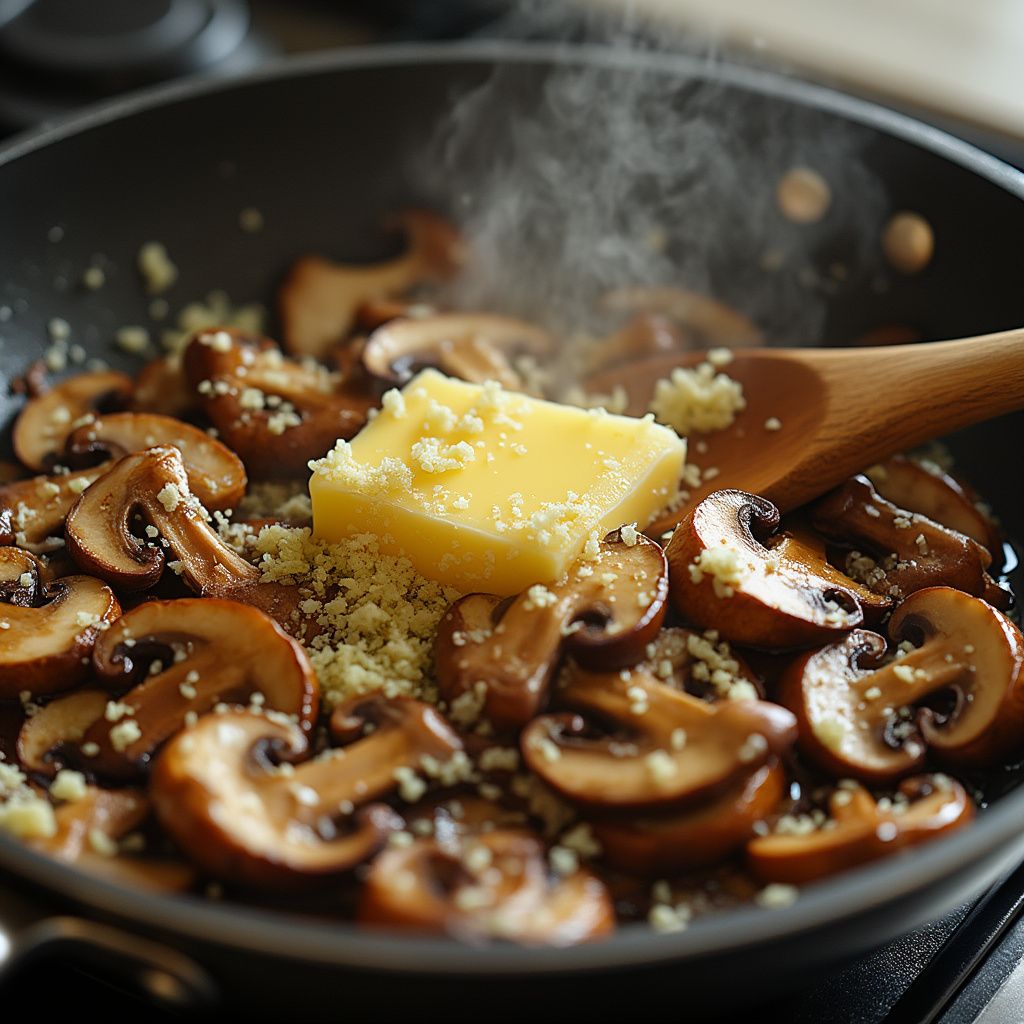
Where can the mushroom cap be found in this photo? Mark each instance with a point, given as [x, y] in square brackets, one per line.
[514, 648]
[474, 346]
[154, 484]
[221, 800]
[713, 321]
[215, 473]
[863, 831]
[42, 646]
[723, 577]
[35, 509]
[987, 725]
[275, 413]
[46, 737]
[639, 743]
[113, 813]
[926, 489]
[959, 694]
[187, 656]
[41, 427]
[160, 387]
[318, 300]
[430, 887]
[694, 838]
[925, 553]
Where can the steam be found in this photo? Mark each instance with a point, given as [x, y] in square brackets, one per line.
[597, 176]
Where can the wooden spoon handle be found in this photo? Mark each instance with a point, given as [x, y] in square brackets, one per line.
[881, 401]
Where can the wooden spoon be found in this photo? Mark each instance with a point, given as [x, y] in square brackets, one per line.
[841, 410]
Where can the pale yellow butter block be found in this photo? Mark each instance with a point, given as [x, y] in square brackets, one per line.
[490, 490]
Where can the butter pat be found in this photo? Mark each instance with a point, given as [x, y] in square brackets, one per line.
[490, 490]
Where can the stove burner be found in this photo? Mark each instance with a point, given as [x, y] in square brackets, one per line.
[59, 54]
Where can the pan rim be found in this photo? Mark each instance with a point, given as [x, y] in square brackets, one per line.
[843, 898]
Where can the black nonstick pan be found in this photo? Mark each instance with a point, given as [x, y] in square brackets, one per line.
[323, 149]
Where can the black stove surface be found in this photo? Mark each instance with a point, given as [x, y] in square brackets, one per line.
[964, 968]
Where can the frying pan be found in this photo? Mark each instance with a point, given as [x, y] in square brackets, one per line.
[323, 147]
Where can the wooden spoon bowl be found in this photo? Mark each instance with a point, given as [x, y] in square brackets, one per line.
[840, 410]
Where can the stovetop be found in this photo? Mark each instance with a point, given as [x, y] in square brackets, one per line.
[965, 969]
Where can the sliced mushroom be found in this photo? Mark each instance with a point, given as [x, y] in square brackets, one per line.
[41, 427]
[644, 334]
[224, 803]
[57, 728]
[34, 510]
[180, 659]
[639, 743]
[216, 475]
[714, 322]
[604, 612]
[161, 388]
[276, 413]
[37, 508]
[924, 488]
[319, 299]
[496, 885]
[701, 664]
[723, 577]
[863, 830]
[959, 693]
[693, 838]
[374, 313]
[46, 635]
[914, 551]
[473, 346]
[87, 833]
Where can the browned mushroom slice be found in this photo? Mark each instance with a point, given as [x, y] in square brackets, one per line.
[715, 322]
[276, 413]
[45, 638]
[862, 830]
[42, 425]
[693, 838]
[603, 612]
[21, 575]
[926, 489]
[701, 664]
[496, 885]
[639, 743]
[960, 693]
[644, 334]
[215, 474]
[88, 831]
[724, 577]
[374, 313]
[914, 551]
[182, 658]
[228, 808]
[474, 346]
[110, 813]
[318, 300]
[161, 388]
[35, 509]
[57, 728]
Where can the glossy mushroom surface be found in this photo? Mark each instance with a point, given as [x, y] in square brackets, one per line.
[604, 612]
[495, 885]
[319, 299]
[630, 741]
[862, 829]
[47, 630]
[222, 792]
[957, 689]
[724, 576]
[472, 346]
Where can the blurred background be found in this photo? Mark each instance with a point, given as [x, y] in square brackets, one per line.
[952, 63]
